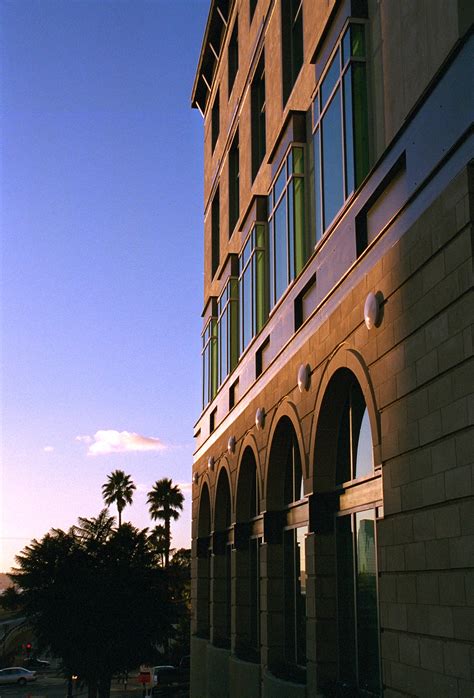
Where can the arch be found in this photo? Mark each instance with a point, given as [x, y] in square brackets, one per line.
[248, 488]
[286, 410]
[204, 515]
[222, 500]
[352, 361]
[285, 472]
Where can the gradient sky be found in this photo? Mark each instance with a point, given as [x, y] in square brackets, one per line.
[101, 266]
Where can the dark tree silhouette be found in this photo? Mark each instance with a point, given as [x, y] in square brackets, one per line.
[166, 502]
[118, 490]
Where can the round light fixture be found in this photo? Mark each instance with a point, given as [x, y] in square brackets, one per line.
[196, 478]
[210, 463]
[304, 377]
[260, 418]
[371, 311]
[231, 444]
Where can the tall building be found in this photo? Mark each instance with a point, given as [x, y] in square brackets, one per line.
[333, 511]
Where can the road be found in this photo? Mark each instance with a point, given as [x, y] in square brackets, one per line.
[53, 687]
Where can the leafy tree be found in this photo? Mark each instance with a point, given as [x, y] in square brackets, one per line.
[118, 489]
[99, 602]
[165, 501]
[97, 528]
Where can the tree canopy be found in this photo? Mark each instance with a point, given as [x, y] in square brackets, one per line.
[96, 598]
[118, 490]
[165, 501]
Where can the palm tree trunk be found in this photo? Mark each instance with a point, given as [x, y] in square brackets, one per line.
[168, 541]
[119, 516]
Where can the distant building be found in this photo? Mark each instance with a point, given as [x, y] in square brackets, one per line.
[332, 482]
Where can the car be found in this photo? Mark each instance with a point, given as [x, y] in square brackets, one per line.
[17, 674]
[36, 663]
[168, 679]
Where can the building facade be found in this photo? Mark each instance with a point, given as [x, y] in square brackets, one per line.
[333, 510]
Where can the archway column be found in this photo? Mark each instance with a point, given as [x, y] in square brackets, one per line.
[272, 604]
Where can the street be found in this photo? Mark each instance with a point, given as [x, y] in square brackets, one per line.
[54, 687]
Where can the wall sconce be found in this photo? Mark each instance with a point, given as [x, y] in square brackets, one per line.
[211, 463]
[260, 418]
[372, 310]
[231, 444]
[304, 377]
[196, 478]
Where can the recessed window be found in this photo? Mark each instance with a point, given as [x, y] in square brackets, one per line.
[258, 117]
[215, 234]
[233, 394]
[253, 293]
[212, 420]
[209, 362]
[292, 43]
[215, 121]
[228, 328]
[252, 7]
[233, 55]
[289, 245]
[340, 130]
[354, 448]
[234, 183]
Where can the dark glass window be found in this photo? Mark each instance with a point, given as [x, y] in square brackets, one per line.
[292, 43]
[209, 362]
[215, 234]
[215, 121]
[252, 8]
[234, 183]
[354, 448]
[233, 55]
[295, 595]
[340, 128]
[358, 634]
[228, 329]
[253, 285]
[289, 245]
[258, 117]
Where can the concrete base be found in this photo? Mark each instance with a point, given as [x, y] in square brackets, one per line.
[277, 688]
[217, 672]
[198, 677]
[244, 679]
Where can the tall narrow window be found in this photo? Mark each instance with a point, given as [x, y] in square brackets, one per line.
[258, 117]
[253, 294]
[252, 7]
[233, 55]
[289, 242]
[295, 595]
[215, 121]
[209, 362]
[228, 329]
[234, 183]
[215, 234]
[292, 43]
[340, 127]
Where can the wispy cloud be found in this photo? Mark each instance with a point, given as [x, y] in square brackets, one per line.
[48, 449]
[185, 487]
[107, 441]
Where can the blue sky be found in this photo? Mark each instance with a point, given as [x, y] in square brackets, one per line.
[101, 256]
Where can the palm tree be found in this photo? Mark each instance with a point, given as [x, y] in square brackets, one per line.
[97, 528]
[119, 490]
[157, 540]
[165, 501]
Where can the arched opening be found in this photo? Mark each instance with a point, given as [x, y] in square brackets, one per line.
[286, 528]
[247, 543]
[203, 618]
[346, 505]
[222, 549]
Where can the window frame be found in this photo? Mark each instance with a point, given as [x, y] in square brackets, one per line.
[228, 312]
[319, 111]
[233, 57]
[251, 263]
[209, 357]
[234, 182]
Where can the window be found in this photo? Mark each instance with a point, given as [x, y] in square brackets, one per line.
[253, 285]
[228, 329]
[295, 595]
[340, 128]
[215, 121]
[357, 601]
[209, 362]
[234, 183]
[288, 245]
[354, 448]
[233, 56]
[258, 117]
[292, 43]
[215, 234]
[252, 7]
